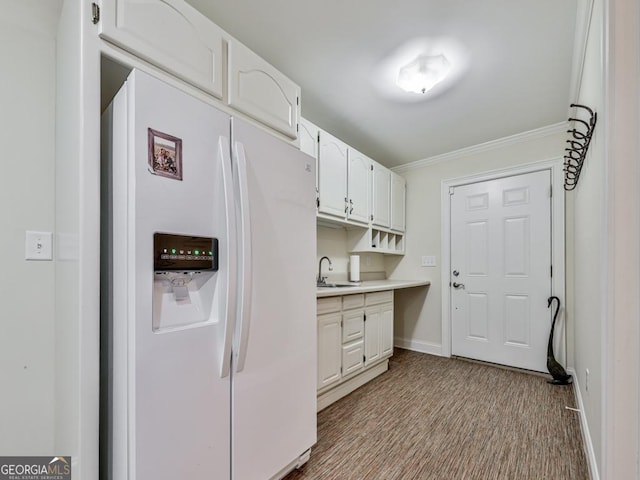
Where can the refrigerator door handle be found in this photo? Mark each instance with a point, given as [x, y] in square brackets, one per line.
[244, 256]
[230, 309]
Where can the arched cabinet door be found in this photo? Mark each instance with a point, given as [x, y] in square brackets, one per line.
[262, 92]
[169, 34]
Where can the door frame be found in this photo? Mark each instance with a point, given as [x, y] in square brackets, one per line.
[555, 166]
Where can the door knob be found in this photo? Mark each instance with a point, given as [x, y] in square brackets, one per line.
[458, 285]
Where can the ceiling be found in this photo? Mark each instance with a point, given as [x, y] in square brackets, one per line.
[517, 79]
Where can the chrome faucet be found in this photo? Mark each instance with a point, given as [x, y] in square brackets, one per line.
[323, 280]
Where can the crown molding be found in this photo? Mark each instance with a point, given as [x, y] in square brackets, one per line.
[484, 147]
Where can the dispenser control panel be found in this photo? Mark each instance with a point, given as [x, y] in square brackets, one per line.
[184, 253]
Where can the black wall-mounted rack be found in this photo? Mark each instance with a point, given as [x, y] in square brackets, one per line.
[579, 140]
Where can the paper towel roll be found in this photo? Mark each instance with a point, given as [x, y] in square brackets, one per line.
[354, 268]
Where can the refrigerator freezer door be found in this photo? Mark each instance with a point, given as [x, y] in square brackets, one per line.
[174, 402]
[274, 393]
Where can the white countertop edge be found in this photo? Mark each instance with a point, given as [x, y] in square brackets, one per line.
[370, 286]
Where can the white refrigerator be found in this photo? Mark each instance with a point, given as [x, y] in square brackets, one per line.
[208, 252]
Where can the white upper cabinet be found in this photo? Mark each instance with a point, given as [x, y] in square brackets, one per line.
[381, 203]
[343, 180]
[262, 92]
[170, 34]
[398, 189]
[308, 135]
[308, 138]
[332, 175]
[358, 185]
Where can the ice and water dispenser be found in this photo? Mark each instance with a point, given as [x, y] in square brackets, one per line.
[184, 279]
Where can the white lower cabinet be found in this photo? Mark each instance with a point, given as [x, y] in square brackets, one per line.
[378, 326]
[372, 338]
[386, 330]
[355, 340]
[352, 357]
[329, 349]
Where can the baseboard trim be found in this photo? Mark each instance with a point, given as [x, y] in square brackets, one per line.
[345, 388]
[418, 346]
[584, 428]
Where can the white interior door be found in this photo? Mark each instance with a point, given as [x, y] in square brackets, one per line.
[501, 270]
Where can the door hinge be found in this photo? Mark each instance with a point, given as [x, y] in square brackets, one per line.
[552, 270]
[364, 359]
[297, 100]
[298, 127]
[550, 192]
[364, 317]
[372, 167]
[371, 217]
[95, 13]
[451, 190]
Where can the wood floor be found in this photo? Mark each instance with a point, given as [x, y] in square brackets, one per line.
[448, 419]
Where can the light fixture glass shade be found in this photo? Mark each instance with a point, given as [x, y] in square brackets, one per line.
[423, 73]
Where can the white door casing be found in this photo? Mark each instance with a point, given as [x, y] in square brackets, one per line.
[520, 321]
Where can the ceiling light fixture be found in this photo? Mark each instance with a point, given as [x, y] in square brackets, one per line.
[446, 60]
[423, 73]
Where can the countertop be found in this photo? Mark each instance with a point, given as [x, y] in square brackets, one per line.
[370, 286]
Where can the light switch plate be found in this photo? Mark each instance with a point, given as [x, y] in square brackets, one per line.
[428, 261]
[38, 246]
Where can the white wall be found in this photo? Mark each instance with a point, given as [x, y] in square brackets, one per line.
[332, 242]
[418, 313]
[585, 240]
[27, 129]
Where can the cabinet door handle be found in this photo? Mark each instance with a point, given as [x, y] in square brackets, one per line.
[346, 204]
[351, 203]
[457, 285]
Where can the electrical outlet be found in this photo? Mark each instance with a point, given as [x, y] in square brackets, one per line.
[428, 261]
[586, 380]
[38, 246]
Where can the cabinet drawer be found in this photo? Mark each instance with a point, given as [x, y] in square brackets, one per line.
[329, 305]
[375, 298]
[352, 357]
[353, 301]
[352, 325]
